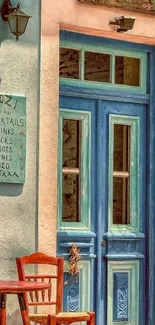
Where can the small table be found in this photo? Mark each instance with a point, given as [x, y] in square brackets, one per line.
[19, 288]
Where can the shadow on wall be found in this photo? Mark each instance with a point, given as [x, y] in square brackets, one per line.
[14, 318]
[10, 189]
[4, 29]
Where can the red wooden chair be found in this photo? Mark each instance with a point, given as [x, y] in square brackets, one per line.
[41, 299]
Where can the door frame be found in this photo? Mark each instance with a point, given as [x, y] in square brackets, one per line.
[149, 100]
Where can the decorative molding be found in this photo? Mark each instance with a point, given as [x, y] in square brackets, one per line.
[71, 293]
[120, 311]
[103, 94]
[85, 118]
[76, 234]
[126, 236]
[83, 245]
[124, 257]
[132, 121]
[123, 275]
[83, 239]
[147, 7]
[125, 246]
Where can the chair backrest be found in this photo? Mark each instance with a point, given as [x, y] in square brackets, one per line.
[57, 276]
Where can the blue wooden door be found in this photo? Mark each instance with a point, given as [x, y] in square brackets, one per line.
[111, 230]
[121, 212]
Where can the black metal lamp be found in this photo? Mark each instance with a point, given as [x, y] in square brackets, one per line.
[15, 17]
[124, 23]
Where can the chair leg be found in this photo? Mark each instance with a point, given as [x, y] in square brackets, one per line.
[2, 309]
[51, 320]
[92, 318]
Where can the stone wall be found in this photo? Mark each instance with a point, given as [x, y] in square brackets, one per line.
[144, 6]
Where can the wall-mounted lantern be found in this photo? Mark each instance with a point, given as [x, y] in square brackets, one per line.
[124, 23]
[15, 17]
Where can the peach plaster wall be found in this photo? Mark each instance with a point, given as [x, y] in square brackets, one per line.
[70, 15]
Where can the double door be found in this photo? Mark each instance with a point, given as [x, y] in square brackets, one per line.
[102, 205]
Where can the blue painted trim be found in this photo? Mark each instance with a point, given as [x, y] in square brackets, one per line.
[85, 179]
[123, 236]
[83, 240]
[83, 245]
[105, 86]
[123, 257]
[119, 96]
[92, 284]
[76, 234]
[85, 257]
[134, 170]
[97, 41]
[143, 303]
[101, 211]
[150, 245]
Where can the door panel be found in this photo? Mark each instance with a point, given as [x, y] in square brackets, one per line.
[121, 260]
[115, 259]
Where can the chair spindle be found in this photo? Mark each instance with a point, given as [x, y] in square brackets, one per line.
[50, 290]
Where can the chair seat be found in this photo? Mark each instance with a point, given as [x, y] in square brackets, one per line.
[62, 317]
[39, 318]
[73, 314]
